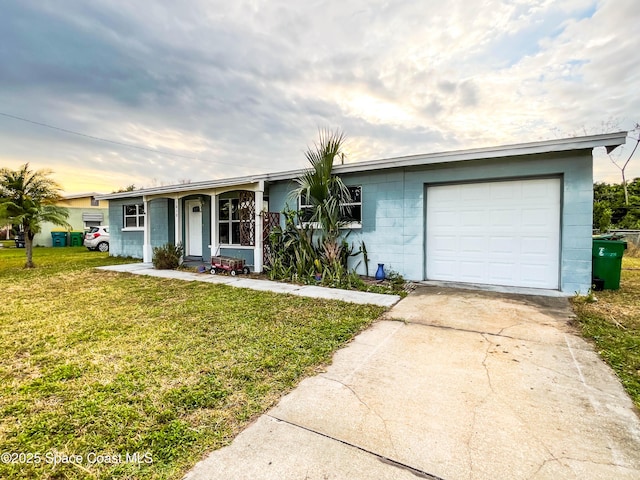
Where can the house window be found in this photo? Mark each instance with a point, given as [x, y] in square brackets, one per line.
[228, 221]
[134, 216]
[94, 202]
[352, 215]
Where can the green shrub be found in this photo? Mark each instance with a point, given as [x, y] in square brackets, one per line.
[167, 257]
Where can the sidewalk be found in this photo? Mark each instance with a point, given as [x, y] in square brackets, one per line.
[240, 281]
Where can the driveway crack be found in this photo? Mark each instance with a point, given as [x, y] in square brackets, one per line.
[484, 362]
[384, 459]
[507, 327]
[481, 402]
[372, 410]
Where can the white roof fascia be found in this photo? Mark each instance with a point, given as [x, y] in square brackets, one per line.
[184, 187]
[82, 195]
[531, 148]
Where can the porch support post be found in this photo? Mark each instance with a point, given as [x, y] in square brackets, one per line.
[146, 247]
[257, 249]
[214, 226]
[176, 221]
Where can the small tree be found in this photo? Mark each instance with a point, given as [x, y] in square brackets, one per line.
[311, 244]
[623, 166]
[325, 192]
[28, 198]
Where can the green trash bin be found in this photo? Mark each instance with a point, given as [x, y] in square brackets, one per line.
[59, 239]
[75, 239]
[607, 262]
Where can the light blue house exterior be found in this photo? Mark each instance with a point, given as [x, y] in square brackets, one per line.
[515, 215]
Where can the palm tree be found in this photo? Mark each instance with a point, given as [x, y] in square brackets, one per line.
[28, 198]
[326, 195]
[325, 192]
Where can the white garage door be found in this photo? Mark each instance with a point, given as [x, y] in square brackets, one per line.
[496, 233]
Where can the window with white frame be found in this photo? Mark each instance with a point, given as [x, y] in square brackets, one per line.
[228, 221]
[134, 215]
[352, 211]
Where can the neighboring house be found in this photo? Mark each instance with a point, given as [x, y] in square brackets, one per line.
[85, 211]
[515, 215]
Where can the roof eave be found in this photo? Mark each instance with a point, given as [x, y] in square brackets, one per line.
[608, 140]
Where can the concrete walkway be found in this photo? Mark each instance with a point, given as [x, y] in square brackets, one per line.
[241, 281]
[468, 385]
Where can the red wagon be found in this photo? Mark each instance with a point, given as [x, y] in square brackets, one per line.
[230, 265]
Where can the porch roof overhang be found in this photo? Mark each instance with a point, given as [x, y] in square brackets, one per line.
[608, 140]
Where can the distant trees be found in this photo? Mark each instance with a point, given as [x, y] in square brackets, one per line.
[616, 205]
[128, 188]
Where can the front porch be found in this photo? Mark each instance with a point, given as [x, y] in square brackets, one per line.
[219, 221]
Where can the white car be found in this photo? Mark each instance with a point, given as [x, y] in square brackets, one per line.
[97, 238]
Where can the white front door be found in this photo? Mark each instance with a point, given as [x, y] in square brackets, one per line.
[194, 228]
[497, 233]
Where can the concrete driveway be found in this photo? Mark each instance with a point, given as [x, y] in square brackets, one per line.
[453, 384]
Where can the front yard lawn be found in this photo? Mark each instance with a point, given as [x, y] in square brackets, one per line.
[613, 323]
[139, 377]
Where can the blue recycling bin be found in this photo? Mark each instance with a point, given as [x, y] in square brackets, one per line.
[59, 239]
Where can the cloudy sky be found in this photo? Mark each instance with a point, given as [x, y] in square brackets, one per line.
[208, 89]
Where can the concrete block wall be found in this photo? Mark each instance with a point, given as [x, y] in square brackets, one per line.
[393, 209]
[123, 243]
[162, 223]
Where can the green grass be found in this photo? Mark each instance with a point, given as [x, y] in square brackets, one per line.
[96, 362]
[613, 323]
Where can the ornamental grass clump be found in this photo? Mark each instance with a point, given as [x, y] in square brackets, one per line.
[167, 257]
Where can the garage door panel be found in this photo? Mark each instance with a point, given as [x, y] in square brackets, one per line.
[468, 193]
[447, 196]
[501, 245]
[538, 190]
[536, 246]
[500, 233]
[445, 269]
[504, 218]
[535, 274]
[471, 218]
[446, 218]
[500, 273]
[502, 191]
[472, 271]
[538, 218]
[445, 244]
[472, 244]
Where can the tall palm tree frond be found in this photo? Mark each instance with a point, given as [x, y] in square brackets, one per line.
[319, 187]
